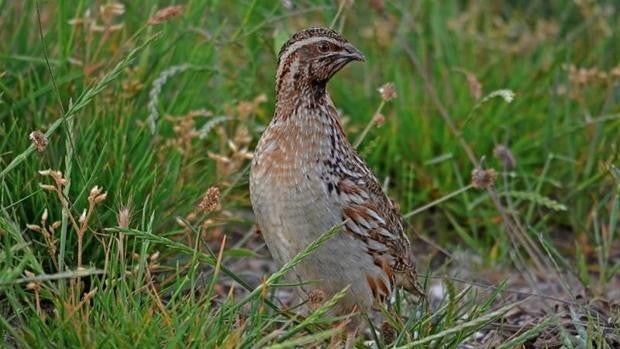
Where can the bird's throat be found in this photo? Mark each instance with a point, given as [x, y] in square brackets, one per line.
[302, 95]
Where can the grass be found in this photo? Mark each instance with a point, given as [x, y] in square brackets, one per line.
[154, 115]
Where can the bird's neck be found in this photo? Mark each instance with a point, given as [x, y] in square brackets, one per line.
[307, 118]
[295, 88]
[295, 95]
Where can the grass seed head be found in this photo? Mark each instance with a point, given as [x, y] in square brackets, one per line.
[56, 176]
[33, 227]
[82, 218]
[166, 14]
[387, 91]
[504, 154]
[47, 187]
[109, 11]
[33, 286]
[378, 119]
[153, 257]
[482, 179]
[39, 140]
[210, 199]
[123, 217]
[316, 297]
[96, 196]
[475, 87]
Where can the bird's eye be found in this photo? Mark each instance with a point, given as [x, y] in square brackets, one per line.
[323, 47]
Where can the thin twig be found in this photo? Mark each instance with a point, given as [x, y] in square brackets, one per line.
[69, 274]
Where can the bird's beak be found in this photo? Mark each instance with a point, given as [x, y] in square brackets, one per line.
[353, 53]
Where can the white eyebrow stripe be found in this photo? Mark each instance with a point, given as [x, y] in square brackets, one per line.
[294, 47]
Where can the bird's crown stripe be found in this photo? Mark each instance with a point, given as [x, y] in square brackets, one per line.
[297, 45]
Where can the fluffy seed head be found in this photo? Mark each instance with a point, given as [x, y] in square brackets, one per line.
[483, 178]
[387, 91]
[123, 217]
[39, 140]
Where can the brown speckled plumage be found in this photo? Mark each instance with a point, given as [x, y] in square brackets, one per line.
[306, 178]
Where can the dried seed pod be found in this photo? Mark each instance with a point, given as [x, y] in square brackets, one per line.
[210, 199]
[316, 297]
[482, 179]
[387, 91]
[39, 140]
[166, 14]
[504, 154]
[378, 119]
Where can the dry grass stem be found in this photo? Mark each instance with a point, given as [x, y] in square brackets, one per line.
[48, 232]
[35, 286]
[95, 197]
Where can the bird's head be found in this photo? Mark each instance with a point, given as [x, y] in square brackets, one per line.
[313, 56]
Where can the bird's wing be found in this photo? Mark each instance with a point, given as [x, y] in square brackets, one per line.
[374, 219]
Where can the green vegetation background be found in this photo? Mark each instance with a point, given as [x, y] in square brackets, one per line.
[156, 127]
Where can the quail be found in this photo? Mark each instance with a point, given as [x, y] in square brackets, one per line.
[306, 178]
